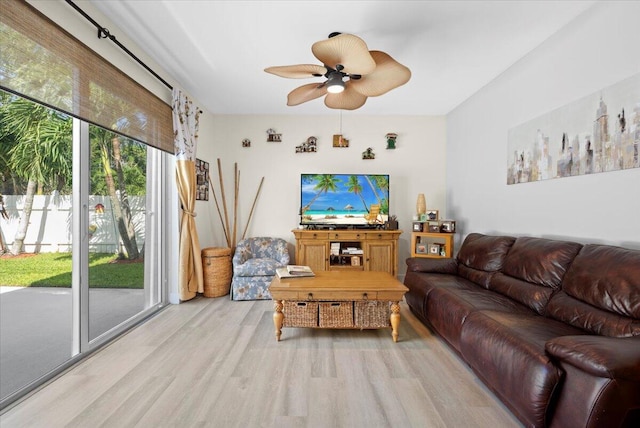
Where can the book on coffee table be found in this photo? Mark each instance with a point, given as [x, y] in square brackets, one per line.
[293, 271]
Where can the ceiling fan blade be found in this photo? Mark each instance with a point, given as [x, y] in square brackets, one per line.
[305, 93]
[345, 49]
[300, 71]
[388, 75]
[345, 100]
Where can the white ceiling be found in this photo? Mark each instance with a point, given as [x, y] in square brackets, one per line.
[217, 50]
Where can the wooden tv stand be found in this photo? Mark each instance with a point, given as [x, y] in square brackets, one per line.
[348, 249]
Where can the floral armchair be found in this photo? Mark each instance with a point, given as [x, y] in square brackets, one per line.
[254, 266]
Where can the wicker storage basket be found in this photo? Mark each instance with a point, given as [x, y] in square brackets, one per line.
[372, 314]
[217, 271]
[336, 314]
[300, 314]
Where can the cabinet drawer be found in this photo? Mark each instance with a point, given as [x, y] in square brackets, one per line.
[285, 295]
[377, 236]
[338, 295]
[346, 236]
[315, 235]
[390, 296]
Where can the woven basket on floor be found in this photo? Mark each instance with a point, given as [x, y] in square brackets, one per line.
[217, 271]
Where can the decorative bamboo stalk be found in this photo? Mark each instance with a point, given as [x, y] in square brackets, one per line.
[252, 207]
[224, 229]
[224, 201]
[235, 204]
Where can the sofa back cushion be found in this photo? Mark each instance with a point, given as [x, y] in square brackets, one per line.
[533, 269]
[601, 292]
[481, 256]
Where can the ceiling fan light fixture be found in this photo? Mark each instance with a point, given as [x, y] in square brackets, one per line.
[335, 84]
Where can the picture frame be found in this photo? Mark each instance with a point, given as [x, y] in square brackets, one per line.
[421, 249]
[433, 227]
[417, 226]
[432, 215]
[448, 226]
[435, 249]
[202, 180]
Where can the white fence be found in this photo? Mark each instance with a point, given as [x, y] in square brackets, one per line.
[50, 223]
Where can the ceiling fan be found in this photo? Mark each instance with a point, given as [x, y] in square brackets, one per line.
[353, 73]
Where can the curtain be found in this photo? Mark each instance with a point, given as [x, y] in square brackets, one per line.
[40, 61]
[185, 125]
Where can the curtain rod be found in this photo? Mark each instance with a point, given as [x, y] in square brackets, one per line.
[103, 33]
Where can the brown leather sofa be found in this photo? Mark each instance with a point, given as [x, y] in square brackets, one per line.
[551, 327]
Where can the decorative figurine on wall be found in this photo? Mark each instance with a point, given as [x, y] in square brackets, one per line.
[272, 137]
[246, 142]
[310, 146]
[368, 154]
[391, 140]
[340, 141]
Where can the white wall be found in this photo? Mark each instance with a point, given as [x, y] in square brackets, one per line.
[417, 165]
[598, 49]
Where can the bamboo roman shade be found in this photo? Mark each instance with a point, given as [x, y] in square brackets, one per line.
[41, 61]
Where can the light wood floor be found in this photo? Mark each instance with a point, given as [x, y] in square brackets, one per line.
[216, 363]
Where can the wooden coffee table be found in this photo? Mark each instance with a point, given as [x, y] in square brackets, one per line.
[324, 301]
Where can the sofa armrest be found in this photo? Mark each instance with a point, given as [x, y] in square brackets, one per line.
[606, 357]
[444, 265]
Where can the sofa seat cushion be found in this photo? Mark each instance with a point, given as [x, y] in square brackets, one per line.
[420, 284]
[257, 267]
[577, 313]
[507, 351]
[449, 307]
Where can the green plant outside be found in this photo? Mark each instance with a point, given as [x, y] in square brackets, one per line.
[54, 270]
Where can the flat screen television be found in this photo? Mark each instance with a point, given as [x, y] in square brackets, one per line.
[344, 200]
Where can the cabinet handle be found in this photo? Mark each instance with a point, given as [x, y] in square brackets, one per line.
[365, 296]
[310, 296]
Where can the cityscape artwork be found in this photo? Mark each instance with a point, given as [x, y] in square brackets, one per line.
[598, 133]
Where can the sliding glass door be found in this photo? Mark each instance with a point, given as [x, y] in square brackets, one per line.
[35, 256]
[117, 214]
[87, 265]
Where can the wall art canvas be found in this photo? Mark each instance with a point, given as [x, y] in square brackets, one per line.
[598, 133]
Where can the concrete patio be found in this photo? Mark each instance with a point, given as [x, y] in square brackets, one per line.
[36, 327]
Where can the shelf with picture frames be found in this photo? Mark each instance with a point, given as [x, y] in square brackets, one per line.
[432, 245]
[433, 238]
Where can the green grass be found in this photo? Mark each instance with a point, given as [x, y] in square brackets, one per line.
[54, 270]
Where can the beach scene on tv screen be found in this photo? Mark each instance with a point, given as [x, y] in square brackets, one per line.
[348, 199]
